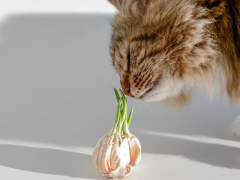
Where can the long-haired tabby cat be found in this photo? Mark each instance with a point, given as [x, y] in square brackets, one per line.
[165, 50]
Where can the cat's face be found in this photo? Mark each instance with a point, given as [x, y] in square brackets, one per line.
[161, 49]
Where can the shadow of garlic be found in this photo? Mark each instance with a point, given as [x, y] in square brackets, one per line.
[119, 151]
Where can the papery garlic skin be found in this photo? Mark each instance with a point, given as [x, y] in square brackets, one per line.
[116, 155]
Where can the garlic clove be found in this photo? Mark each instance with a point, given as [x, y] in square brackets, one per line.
[120, 158]
[101, 154]
[120, 172]
[124, 152]
[95, 152]
[114, 160]
[104, 161]
[134, 151]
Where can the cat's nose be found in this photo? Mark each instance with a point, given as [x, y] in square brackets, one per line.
[126, 85]
[127, 91]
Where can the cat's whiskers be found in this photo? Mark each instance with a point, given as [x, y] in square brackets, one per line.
[162, 59]
[139, 103]
[211, 78]
[173, 44]
[175, 63]
[148, 107]
[153, 66]
[150, 65]
[113, 77]
[174, 50]
[158, 34]
[163, 37]
[170, 63]
[168, 53]
[178, 63]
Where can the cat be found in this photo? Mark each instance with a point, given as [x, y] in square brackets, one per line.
[165, 50]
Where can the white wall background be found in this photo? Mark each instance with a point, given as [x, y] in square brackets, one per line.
[56, 101]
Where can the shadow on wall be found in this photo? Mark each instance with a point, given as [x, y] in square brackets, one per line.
[51, 67]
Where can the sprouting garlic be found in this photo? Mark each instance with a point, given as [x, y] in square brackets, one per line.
[116, 155]
[119, 151]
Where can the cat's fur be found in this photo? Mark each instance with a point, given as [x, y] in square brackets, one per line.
[168, 49]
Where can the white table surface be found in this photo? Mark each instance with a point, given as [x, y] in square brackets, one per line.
[56, 101]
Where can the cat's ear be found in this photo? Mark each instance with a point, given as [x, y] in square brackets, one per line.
[120, 4]
[116, 3]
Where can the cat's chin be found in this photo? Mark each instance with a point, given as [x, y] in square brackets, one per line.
[147, 97]
[153, 94]
[163, 89]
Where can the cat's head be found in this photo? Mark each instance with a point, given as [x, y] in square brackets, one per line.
[162, 49]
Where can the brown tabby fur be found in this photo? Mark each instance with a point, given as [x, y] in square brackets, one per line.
[178, 45]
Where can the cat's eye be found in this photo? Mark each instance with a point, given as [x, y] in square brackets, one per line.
[128, 58]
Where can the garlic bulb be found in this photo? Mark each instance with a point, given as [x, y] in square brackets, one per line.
[119, 151]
